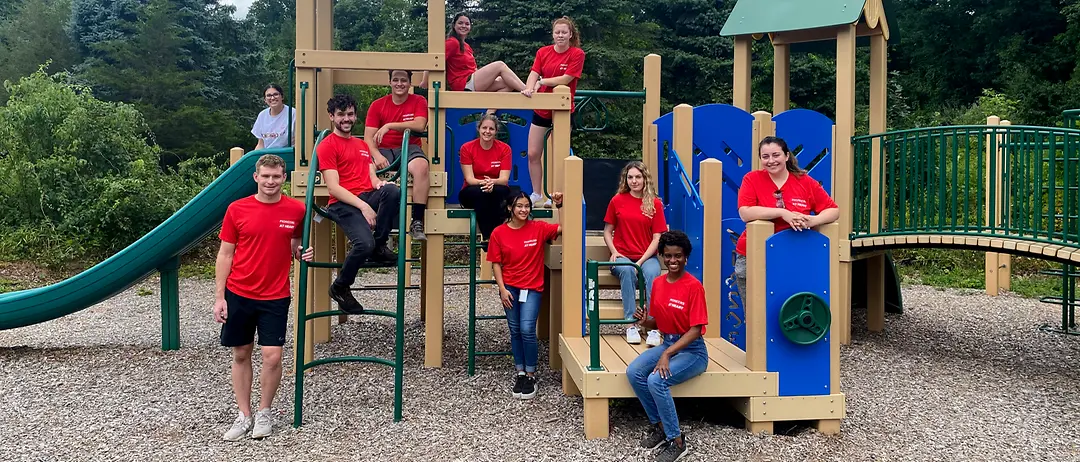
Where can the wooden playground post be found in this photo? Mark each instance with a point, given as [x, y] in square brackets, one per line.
[682, 139]
[763, 126]
[757, 233]
[741, 85]
[650, 111]
[997, 264]
[781, 77]
[572, 241]
[875, 265]
[712, 275]
[433, 250]
[843, 157]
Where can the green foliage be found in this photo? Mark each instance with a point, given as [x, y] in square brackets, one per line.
[33, 34]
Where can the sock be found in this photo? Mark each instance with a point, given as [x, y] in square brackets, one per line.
[418, 211]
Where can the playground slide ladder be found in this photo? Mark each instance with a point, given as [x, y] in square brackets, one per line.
[592, 305]
[301, 311]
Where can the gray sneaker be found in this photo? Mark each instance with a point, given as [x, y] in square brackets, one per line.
[239, 428]
[672, 451]
[264, 424]
[654, 438]
[416, 231]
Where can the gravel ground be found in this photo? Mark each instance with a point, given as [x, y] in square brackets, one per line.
[959, 376]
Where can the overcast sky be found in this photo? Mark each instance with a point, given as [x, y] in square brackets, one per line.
[241, 6]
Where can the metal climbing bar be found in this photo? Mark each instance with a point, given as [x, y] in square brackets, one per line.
[302, 317]
[592, 281]
[473, 282]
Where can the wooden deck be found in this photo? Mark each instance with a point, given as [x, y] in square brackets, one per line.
[726, 376]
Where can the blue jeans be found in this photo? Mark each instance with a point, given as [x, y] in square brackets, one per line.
[628, 282]
[654, 392]
[522, 320]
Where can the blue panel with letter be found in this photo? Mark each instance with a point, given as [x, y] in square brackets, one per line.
[809, 135]
[732, 314]
[461, 128]
[796, 262]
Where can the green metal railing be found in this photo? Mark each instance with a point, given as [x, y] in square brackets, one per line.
[301, 310]
[473, 244]
[592, 278]
[1068, 273]
[587, 101]
[937, 180]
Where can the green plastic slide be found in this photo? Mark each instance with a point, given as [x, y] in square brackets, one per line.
[185, 228]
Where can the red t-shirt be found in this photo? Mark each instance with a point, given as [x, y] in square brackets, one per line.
[801, 194]
[550, 63]
[678, 306]
[459, 65]
[633, 229]
[486, 163]
[383, 111]
[262, 234]
[521, 253]
[350, 157]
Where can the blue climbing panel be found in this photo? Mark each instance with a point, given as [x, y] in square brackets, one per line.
[684, 211]
[808, 135]
[461, 128]
[796, 262]
[732, 316]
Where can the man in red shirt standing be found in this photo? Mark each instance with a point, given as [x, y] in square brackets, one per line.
[259, 237]
[387, 119]
[359, 200]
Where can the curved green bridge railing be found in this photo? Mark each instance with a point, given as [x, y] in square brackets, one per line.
[995, 181]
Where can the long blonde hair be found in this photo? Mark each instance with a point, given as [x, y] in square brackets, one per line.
[648, 194]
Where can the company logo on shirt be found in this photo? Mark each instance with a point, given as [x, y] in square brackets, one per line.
[676, 304]
[496, 164]
[797, 202]
[529, 243]
[562, 67]
[408, 117]
[270, 135]
[286, 224]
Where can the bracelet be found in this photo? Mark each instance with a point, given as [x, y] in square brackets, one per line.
[558, 206]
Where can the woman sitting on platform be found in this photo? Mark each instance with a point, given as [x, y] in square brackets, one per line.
[485, 164]
[516, 252]
[632, 227]
[461, 71]
[783, 193]
[677, 309]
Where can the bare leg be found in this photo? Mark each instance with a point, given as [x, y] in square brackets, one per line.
[241, 377]
[270, 375]
[536, 151]
[421, 182]
[484, 78]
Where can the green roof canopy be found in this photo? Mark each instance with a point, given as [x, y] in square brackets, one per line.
[766, 16]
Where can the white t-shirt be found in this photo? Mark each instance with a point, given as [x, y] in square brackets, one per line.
[273, 130]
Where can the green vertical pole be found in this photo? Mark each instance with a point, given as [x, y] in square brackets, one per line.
[472, 293]
[592, 278]
[301, 294]
[170, 304]
[399, 331]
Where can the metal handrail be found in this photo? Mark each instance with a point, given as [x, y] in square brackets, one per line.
[592, 276]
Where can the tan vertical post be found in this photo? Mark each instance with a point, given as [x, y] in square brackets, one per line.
[875, 293]
[843, 158]
[341, 249]
[1004, 268]
[654, 147]
[712, 190]
[235, 154]
[431, 280]
[741, 85]
[560, 142]
[572, 242]
[757, 233]
[552, 301]
[875, 290]
[682, 140]
[650, 111]
[992, 258]
[763, 126]
[781, 78]
[321, 282]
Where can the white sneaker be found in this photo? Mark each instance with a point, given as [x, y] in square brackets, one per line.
[654, 338]
[239, 427]
[537, 199]
[264, 424]
[547, 204]
[632, 335]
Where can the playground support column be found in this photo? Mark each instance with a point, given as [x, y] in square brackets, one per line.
[763, 126]
[875, 290]
[712, 189]
[650, 111]
[741, 86]
[843, 159]
[572, 236]
[757, 233]
[235, 154]
[875, 294]
[682, 139]
[997, 264]
[431, 279]
[550, 301]
[319, 296]
[170, 304]
[781, 77]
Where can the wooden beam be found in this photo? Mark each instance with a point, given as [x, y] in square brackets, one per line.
[572, 240]
[820, 35]
[650, 111]
[741, 85]
[878, 104]
[376, 78]
[763, 126]
[757, 233]
[781, 78]
[507, 100]
[370, 60]
[560, 144]
[712, 190]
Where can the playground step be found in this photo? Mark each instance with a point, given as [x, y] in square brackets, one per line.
[610, 309]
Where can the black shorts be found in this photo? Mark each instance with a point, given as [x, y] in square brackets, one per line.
[270, 317]
[392, 155]
[541, 121]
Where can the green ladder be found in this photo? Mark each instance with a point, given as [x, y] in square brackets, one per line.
[592, 305]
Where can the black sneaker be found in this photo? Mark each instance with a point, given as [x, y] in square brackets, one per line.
[383, 255]
[519, 383]
[528, 388]
[416, 231]
[653, 438]
[345, 300]
[672, 451]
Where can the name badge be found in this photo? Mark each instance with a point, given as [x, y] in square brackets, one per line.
[523, 296]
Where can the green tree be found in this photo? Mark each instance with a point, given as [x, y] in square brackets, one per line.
[32, 35]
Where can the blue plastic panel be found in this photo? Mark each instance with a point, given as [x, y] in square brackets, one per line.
[809, 135]
[732, 314]
[461, 128]
[796, 262]
[663, 146]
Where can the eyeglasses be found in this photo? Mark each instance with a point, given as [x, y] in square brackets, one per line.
[779, 195]
[273, 95]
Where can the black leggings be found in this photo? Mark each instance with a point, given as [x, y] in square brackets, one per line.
[490, 206]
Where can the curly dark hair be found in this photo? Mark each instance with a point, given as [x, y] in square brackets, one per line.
[676, 238]
[341, 102]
